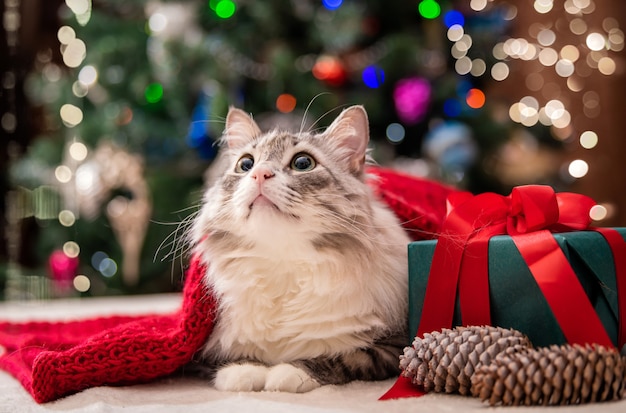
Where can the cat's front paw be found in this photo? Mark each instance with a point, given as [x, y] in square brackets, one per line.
[241, 377]
[288, 378]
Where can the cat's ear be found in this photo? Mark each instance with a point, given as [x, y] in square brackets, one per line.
[240, 128]
[350, 134]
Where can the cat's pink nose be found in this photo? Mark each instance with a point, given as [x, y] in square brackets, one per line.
[261, 173]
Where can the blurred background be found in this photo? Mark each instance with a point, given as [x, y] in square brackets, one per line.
[110, 110]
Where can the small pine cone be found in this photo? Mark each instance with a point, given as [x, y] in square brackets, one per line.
[555, 375]
[445, 361]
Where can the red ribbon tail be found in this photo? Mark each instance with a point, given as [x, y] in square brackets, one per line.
[402, 388]
[559, 284]
[618, 249]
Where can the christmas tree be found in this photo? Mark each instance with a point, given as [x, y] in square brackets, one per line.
[136, 93]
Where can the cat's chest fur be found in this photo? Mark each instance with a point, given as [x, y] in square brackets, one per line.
[288, 307]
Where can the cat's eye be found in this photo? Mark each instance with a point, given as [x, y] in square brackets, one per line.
[244, 164]
[302, 162]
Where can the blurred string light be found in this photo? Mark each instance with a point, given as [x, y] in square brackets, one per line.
[574, 47]
[73, 53]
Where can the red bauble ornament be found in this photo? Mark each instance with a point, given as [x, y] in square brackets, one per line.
[330, 70]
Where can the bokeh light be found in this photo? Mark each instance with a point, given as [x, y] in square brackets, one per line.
[564, 68]
[71, 249]
[71, 115]
[607, 66]
[463, 66]
[330, 70]
[570, 52]
[595, 41]
[285, 103]
[543, 6]
[373, 76]
[429, 9]
[66, 34]
[67, 218]
[78, 151]
[546, 37]
[500, 71]
[81, 9]
[74, 53]
[97, 258]
[157, 22]
[225, 9]
[154, 93]
[63, 174]
[78, 6]
[107, 267]
[548, 56]
[455, 32]
[578, 26]
[332, 4]
[88, 75]
[578, 168]
[588, 139]
[395, 133]
[453, 18]
[81, 283]
[478, 5]
[478, 67]
[475, 98]
[411, 97]
[598, 212]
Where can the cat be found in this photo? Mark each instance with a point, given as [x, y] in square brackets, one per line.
[309, 269]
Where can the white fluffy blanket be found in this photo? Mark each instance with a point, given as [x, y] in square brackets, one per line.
[192, 395]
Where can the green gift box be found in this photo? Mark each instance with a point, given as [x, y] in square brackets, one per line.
[516, 300]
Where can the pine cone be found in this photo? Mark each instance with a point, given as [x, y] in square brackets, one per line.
[445, 361]
[555, 375]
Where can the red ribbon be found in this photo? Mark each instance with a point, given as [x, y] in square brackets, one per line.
[529, 215]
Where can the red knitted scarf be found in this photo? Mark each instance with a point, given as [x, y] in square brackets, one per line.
[53, 359]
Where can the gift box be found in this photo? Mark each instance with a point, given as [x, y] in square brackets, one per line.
[516, 301]
[528, 261]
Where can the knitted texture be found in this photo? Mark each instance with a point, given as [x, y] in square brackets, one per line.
[419, 203]
[52, 359]
[55, 359]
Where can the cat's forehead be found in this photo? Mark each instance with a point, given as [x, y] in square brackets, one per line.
[276, 143]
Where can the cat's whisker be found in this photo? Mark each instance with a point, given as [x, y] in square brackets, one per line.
[175, 240]
[306, 111]
[324, 115]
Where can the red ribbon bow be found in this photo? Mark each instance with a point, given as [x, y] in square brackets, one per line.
[528, 215]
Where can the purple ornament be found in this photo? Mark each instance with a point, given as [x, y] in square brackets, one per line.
[411, 97]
